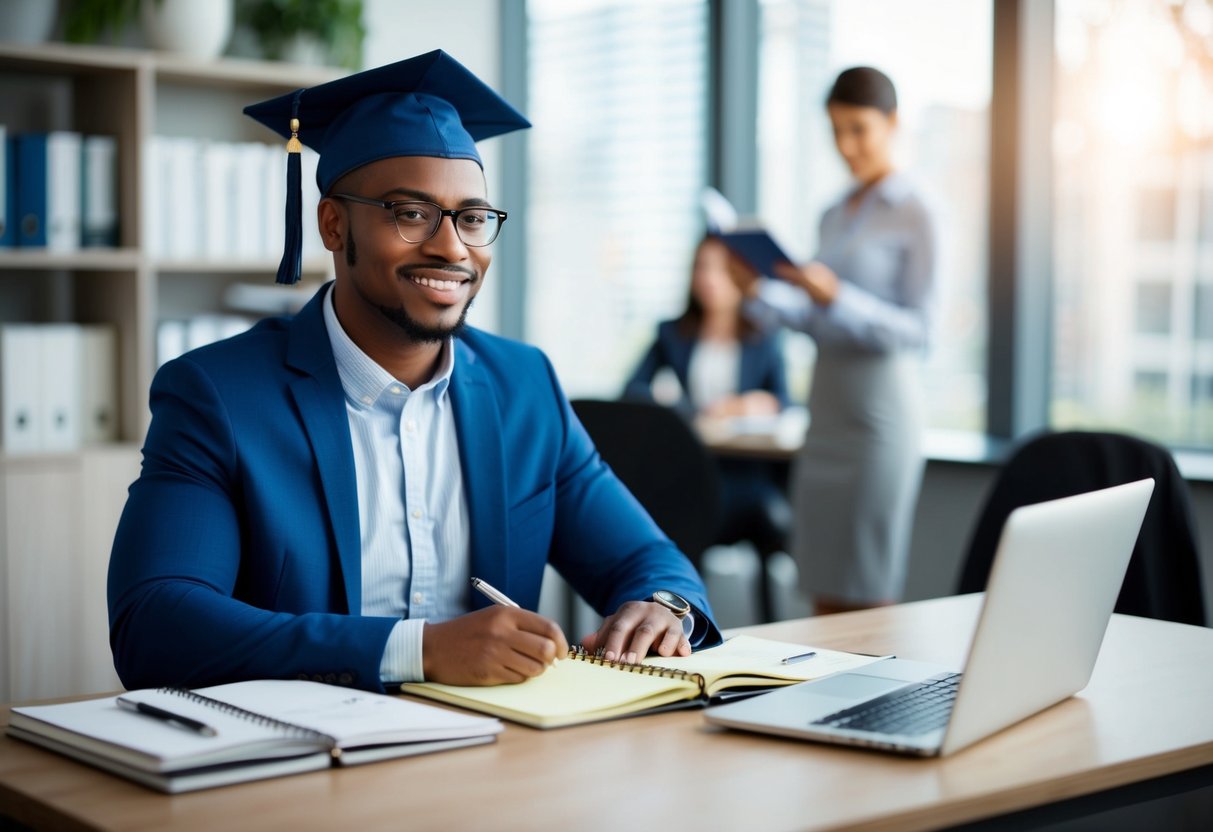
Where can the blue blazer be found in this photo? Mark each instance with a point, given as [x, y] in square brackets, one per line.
[761, 366]
[238, 554]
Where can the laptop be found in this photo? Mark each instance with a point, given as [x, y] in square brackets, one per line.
[1055, 579]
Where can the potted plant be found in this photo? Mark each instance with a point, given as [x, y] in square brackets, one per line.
[306, 30]
[199, 28]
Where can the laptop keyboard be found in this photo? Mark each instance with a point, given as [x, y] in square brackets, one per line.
[912, 710]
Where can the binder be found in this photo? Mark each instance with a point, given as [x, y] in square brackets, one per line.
[248, 205]
[99, 191]
[175, 740]
[180, 193]
[20, 405]
[218, 184]
[59, 392]
[48, 190]
[98, 384]
[8, 191]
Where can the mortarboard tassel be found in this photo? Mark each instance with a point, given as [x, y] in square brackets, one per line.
[292, 255]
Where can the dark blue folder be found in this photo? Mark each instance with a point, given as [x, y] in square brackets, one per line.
[757, 248]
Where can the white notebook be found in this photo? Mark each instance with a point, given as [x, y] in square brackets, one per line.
[243, 731]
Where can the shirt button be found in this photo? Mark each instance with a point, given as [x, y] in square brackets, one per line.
[416, 514]
[367, 400]
[395, 390]
[418, 597]
[410, 426]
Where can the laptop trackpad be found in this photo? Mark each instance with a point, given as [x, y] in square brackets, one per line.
[854, 686]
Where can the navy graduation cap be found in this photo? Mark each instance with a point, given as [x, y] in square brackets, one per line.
[430, 105]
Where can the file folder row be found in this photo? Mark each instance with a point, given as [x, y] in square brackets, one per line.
[60, 190]
[58, 387]
[176, 337]
[223, 201]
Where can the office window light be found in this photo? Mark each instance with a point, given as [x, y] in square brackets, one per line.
[618, 93]
[1133, 250]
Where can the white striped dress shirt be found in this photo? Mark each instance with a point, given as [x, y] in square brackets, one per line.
[412, 511]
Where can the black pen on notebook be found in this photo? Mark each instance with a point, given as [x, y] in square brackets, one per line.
[800, 657]
[168, 716]
[496, 596]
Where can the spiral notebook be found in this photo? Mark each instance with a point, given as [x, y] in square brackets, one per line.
[585, 688]
[259, 729]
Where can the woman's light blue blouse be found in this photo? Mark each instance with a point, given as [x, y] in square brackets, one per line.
[884, 253]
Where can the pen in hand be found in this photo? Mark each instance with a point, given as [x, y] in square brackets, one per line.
[494, 595]
[798, 658]
[497, 597]
[168, 716]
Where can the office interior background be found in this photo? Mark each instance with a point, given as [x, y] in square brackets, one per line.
[1066, 144]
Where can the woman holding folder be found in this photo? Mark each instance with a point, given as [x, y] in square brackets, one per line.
[865, 300]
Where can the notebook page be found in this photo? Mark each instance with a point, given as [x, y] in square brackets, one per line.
[570, 690]
[158, 745]
[351, 717]
[757, 659]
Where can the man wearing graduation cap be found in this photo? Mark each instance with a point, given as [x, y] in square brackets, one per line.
[317, 492]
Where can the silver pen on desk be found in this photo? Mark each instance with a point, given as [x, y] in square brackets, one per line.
[168, 716]
[496, 596]
[799, 657]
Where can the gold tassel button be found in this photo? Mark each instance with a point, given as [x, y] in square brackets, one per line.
[293, 145]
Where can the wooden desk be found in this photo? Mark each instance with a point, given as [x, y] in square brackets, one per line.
[1145, 714]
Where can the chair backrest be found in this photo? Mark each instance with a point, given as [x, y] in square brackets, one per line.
[1163, 579]
[661, 460]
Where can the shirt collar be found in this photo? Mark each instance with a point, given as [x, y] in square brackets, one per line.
[893, 188]
[364, 380]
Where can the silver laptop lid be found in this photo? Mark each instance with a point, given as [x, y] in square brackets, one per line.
[1055, 580]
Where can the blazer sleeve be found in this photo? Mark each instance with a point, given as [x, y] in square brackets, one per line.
[604, 542]
[774, 371]
[176, 570]
[638, 384]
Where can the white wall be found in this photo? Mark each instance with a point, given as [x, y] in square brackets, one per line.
[467, 30]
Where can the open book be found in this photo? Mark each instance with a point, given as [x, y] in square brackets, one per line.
[186, 740]
[746, 238]
[584, 688]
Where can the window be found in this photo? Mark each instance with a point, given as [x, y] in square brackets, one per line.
[939, 57]
[1153, 309]
[1133, 247]
[618, 94]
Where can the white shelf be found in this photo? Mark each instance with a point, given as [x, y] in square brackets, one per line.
[88, 259]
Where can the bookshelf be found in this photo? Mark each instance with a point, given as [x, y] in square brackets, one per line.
[58, 510]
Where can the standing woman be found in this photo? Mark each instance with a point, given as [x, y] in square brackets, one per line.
[864, 300]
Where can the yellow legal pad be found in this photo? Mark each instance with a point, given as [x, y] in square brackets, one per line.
[583, 688]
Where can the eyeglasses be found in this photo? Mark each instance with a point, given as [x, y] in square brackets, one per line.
[417, 221]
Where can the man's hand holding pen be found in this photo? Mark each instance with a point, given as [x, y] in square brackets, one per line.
[504, 644]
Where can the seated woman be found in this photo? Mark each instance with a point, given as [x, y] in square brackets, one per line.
[726, 369]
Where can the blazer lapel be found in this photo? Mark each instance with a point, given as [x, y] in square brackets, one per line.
[478, 427]
[748, 375]
[318, 395]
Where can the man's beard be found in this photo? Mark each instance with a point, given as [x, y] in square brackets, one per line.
[414, 329]
[419, 332]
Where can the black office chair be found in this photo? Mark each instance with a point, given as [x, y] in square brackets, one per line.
[1163, 579]
[663, 463]
[661, 459]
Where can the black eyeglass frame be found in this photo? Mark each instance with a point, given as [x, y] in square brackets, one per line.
[453, 213]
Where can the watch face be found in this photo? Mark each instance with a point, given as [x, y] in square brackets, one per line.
[672, 601]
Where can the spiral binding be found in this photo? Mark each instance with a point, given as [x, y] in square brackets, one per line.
[580, 654]
[289, 728]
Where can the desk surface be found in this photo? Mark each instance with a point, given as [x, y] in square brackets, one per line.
[1145, 714]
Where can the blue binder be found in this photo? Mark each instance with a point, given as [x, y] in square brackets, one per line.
[33, 178]
[8, 208]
